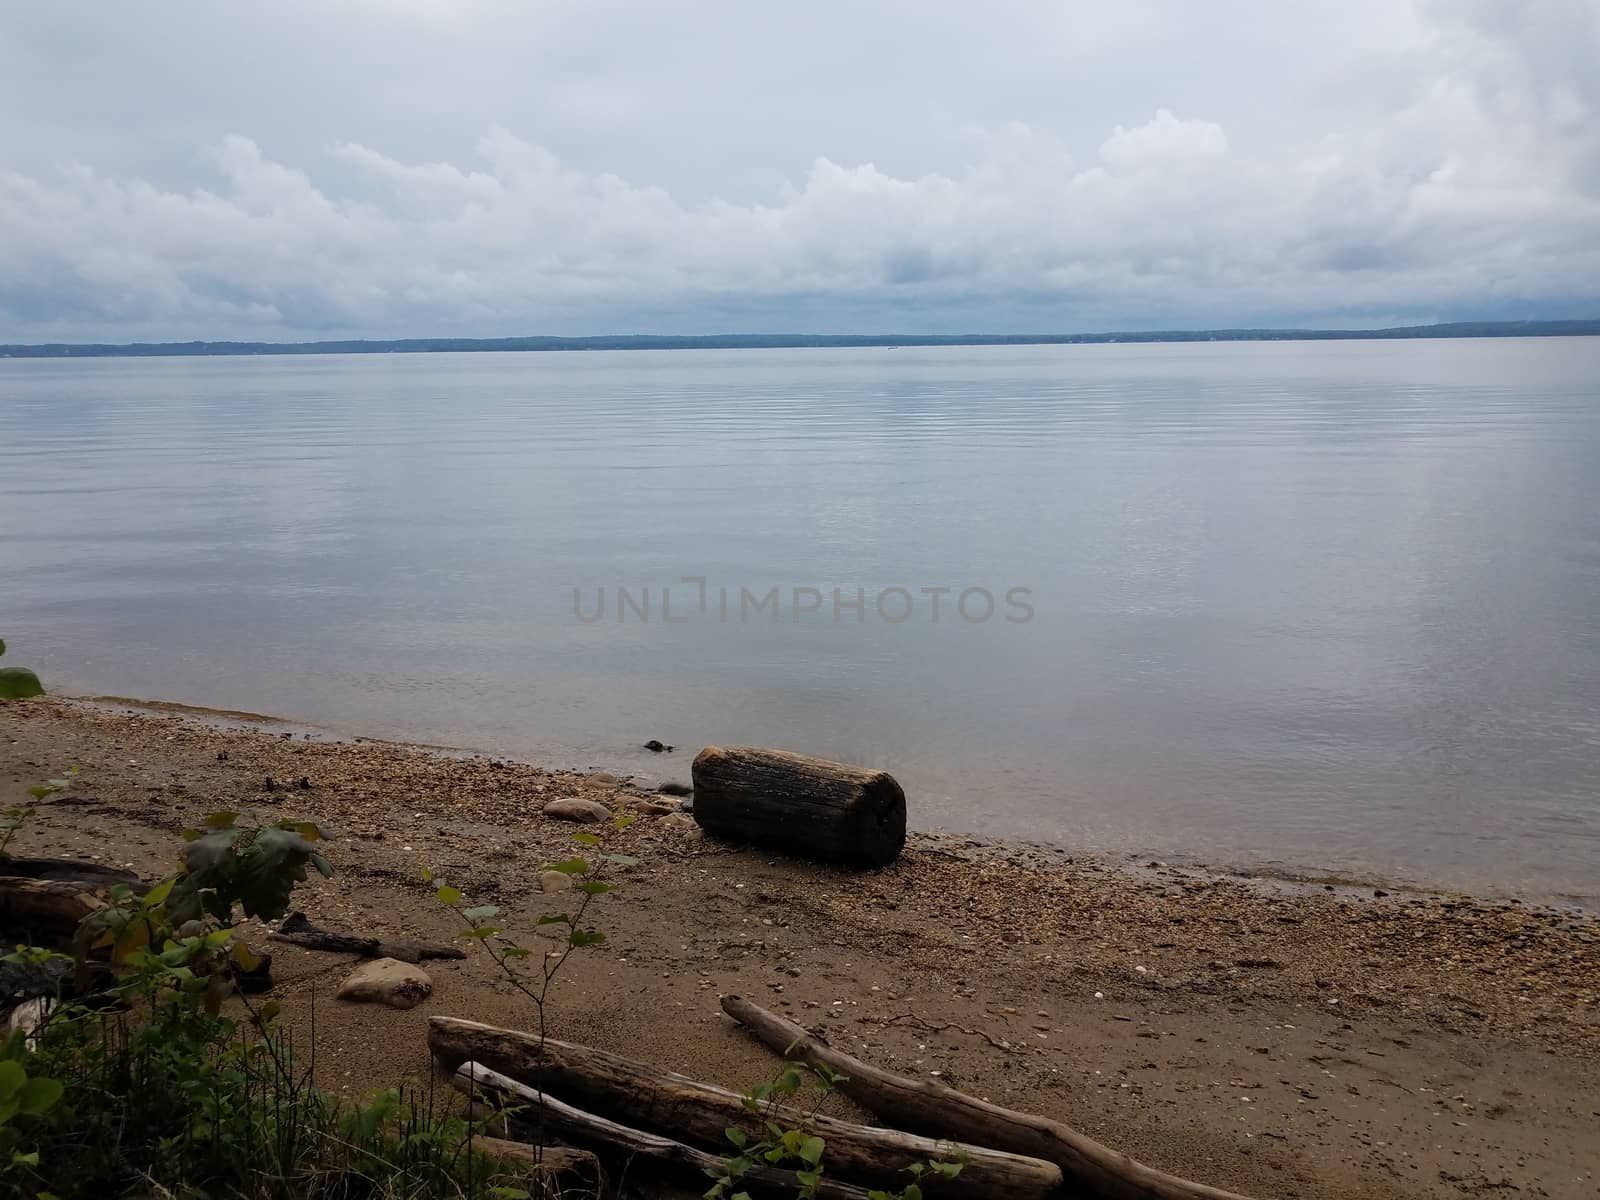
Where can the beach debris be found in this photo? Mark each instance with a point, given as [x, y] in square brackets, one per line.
[298, 931]
[802, 805]
[520, 1065]
[387, 981]
[585, 812]
[1087, 1166]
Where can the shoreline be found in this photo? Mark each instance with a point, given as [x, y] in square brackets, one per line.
[1278, 879]
[1309, 1044]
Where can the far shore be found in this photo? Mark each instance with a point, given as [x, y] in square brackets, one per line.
[1281, 1038]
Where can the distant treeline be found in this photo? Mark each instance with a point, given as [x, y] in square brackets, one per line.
[783, 341]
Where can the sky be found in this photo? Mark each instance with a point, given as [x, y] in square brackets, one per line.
[398, 168]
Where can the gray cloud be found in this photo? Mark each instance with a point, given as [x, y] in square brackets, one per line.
[416, 168]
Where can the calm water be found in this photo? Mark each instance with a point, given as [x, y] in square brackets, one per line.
[1293, 605]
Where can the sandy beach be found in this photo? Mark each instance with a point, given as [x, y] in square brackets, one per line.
[1282, 1041]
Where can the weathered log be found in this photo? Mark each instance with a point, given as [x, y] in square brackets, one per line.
[700, 1112]
[806, 806]
[563, 1166]
[55, 906]
[297, 930]
[581, 1126]
[72, 870]
[938, 1110]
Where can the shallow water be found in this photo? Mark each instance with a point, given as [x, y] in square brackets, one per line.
[1289, 605]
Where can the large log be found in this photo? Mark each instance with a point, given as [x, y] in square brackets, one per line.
[700, 1112]
[298, 931]
[579, 1126]
[938, 1110]
[805, 806]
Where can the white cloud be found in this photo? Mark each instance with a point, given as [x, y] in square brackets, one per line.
[1470, 184]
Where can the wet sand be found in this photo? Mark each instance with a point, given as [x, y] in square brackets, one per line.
[1282, 1041]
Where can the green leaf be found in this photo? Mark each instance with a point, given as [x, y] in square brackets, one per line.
[585, 937]
[18, 683]
[30, 1159]
[586, 839]
[573, 866]
[427, 874]
[12, 1077]
[623, 822]
[736, 1136]
[811, 1150]
[555, 919]
[158, 894]
[449, 895]
[623, 860]
[593, 887]
[482, 913]
[220, 820]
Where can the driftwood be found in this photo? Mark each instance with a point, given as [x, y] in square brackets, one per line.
[561, 1165]
[72, 870]
[936, 1109]
[580, 1126]
[298, 931]
[806, 806]
[53, 905]
[701, 1112]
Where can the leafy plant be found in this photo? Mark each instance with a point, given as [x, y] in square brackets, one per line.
[18, 683]
[773, 1142]
[568, 931]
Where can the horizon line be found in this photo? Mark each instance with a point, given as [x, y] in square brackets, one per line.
[1566, 327]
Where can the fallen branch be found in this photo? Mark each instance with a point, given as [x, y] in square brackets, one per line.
[928, 1026]
[297, 930]
[574, 1123]
[700, 1112]
[936, 1109]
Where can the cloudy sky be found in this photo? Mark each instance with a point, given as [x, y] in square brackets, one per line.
[410, 167]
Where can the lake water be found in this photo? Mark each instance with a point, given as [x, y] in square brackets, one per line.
[1286, 605]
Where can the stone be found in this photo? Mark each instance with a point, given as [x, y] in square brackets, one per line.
[387, 981]
[585, 812]
[554, 881]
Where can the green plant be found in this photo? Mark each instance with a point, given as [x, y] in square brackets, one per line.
[21, 1096]
[18, 683]
[171, 1097]
[569, 929]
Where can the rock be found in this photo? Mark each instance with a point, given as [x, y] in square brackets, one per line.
[658, 808]
[656, 747]
[673, 788]
[387, 981]
[554, 881]
[585, 812]
[604, 777]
